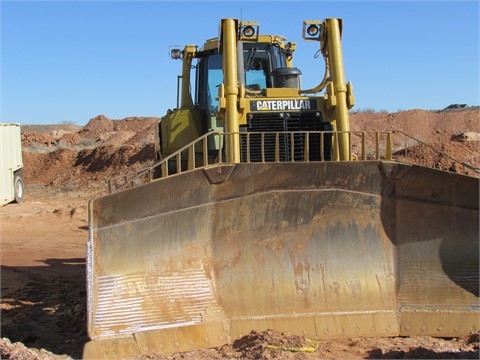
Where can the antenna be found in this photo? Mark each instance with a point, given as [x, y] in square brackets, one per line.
[241, 14]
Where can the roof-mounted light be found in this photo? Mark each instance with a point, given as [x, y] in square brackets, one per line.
[176, 54]
[248, 31]
[312, 29]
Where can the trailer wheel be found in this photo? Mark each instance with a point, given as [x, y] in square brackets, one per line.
[18, 188]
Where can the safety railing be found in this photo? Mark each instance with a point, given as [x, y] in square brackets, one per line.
[295, 146]
[190, 157]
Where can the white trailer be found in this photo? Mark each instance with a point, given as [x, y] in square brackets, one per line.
[11, 164]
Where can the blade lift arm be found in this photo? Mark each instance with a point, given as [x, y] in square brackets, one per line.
[339, 95]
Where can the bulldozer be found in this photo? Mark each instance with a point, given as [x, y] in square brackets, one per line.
[263, 210]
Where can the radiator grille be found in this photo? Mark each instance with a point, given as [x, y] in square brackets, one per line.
[291, 143]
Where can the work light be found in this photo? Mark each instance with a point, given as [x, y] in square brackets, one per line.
[312, 30]
[248, 31]
[175, 54]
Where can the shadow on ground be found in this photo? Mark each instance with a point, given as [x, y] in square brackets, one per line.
[45, 306]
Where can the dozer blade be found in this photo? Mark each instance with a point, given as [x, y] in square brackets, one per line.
[327, 250]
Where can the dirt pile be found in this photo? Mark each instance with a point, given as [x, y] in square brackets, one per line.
[86, 159]
[442, 139]
[131, 130]
[19, 351]
[271, 344]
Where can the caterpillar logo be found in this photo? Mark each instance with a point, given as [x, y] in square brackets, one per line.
[275, 105]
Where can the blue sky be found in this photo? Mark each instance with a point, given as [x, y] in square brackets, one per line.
[69, 61]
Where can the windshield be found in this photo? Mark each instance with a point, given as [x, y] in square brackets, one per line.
[215, 78]
[257, 69]
[259, 61]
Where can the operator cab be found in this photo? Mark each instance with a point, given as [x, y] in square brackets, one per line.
[264, 66]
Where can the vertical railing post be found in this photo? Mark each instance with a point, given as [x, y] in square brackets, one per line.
[277, 147]
[262, 143]
[322, 146]
[205, 150]
[306, 150]
[388, 150]
[248, 147]
[292, 147]
[364, 146]
[179, 162]
[191, 157]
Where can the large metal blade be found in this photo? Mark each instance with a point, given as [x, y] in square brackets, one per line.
[325, 249]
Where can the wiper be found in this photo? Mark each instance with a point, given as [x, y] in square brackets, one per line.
[251, 56]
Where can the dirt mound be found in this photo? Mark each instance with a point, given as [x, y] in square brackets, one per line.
[422, 124]
[30, 138]
[58, 157]
[267, 344]
[131, 130]
[86, 159]
[18, 351]
[429, 138]
[48, 169]
[98, 126]
[440, 155]
[271, 344]
[72, 157]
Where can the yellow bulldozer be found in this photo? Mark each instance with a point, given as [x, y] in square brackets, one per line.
[257, 214]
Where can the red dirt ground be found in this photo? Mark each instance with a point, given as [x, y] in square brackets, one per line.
[43, 238]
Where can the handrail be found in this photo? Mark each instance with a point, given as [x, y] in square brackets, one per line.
[284, 146]
[149, 172]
